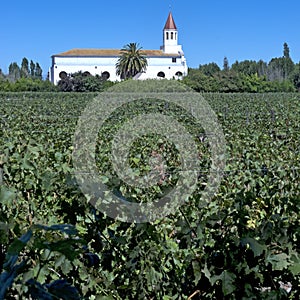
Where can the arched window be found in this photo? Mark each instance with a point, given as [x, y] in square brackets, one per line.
[171, 35]
[105, 75]
[175, 35]
[161, 74]
[63, 75]
[167, 35]
[178, 75]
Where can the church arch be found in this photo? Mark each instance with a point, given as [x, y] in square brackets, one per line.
[178, 74]
[63, 75]
[161, 74]
[105, 75]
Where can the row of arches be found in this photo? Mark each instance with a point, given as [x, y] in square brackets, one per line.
[161, 74]
[171, 35]
[106, 75]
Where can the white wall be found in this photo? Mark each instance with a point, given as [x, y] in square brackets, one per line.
[98, 65]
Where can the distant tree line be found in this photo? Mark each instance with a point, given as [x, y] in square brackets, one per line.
[26, 77]
[26, 70]
[281, 74]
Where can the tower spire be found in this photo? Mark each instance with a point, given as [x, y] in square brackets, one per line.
[170, 24]
[170, 36]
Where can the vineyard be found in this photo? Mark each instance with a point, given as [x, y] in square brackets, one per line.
[242, 244]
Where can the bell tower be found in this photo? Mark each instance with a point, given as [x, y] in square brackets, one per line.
[170, 37]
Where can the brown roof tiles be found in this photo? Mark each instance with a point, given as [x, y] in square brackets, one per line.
[110, 53]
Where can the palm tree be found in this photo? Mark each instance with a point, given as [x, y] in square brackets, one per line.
[131, 62]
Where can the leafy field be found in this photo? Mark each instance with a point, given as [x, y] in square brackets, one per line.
[242, 244]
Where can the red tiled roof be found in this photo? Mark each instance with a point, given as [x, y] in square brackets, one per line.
[110, 52]
[170, 24]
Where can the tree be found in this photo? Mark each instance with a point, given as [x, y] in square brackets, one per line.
[82, 82]
[280, 68]
[262, 68]
[288, 63]
[14, 72]
[209, 69]
[24, 68]
[247, 67]
[286, 51]
[65, 84]
[32, 69]
[131, 62]
[200, 82]
[225, 64]
[295, 77]
[38, 71]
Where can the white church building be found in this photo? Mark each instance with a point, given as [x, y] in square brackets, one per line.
[169, 62]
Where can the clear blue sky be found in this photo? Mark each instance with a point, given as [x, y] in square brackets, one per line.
[208, 30]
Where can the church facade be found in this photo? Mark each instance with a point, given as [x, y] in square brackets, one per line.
[169, 62]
